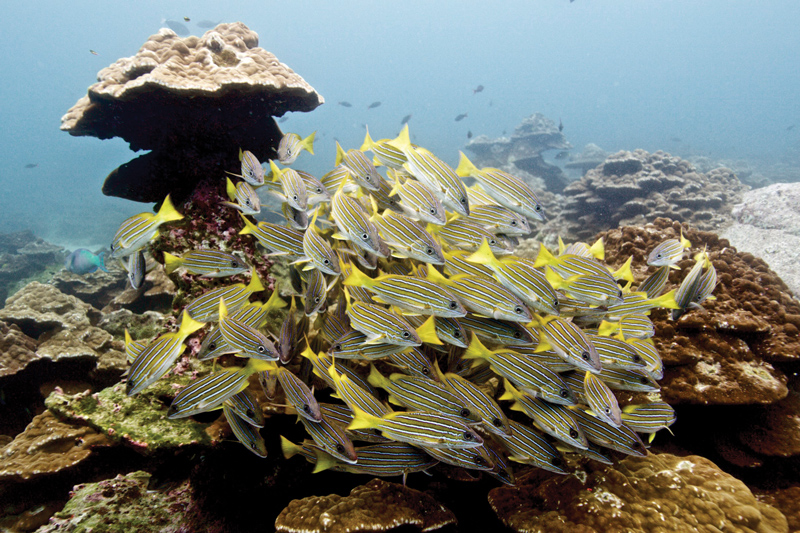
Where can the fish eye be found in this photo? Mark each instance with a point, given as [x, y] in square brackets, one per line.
[337, 348]
[585, 356]
[465, 412]
[619, 294]
[247, 202]
[294, 197]
[326, 262]
[261, 349]
[234, 263]
[340, 449]
[658, 255]
[456, 334]
[463, 200]
[518, 310]
[319, 190]
[517, 335]
[406, 334]
[497, 423]
[537, 208]
[636, 358]
[316, 299]
[365, 236]
[453, 305]
[573, 433]
[433, 211]
[607, 410]
[564, 393]
[493, 241]
[468, 436]
[479, 460]
[429, 251]
[514, 223]
[555, 303]
[425, 370]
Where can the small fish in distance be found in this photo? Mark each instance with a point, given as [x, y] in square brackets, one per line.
[477, 89]
[373, 105]
[345, 104]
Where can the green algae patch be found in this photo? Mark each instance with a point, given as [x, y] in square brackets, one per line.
[139, 421]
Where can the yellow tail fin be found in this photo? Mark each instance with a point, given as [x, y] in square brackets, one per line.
[465, 167]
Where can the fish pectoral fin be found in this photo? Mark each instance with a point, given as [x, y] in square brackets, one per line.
[374, 339]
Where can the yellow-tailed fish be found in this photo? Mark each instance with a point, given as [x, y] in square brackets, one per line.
[352, 345]
[385, 198]
[567, 266]
[507, 190]
[159, 356]
[548, 358]
[616, 353]
[206, 263]
[254, 314]
[476, 458]
[292, 144]
[322, 364]
[653, 285]
[467, 235]
[342, 415]
[248, 435]
[638, 302]
[422, 429]
[532, 377]
[205, 308]
[354, 395]
[418, 202]
[499, 219]
[252, 171]
[332, 438]
[319, 251]
[555, 420]
[298, 395]
[499, 331]
[601, 400]
[457, 264]
[137, 231]
[477, 196]
[246, 406]
[354, 224]
[383, 459]
[339, 178]
[633, 326]
[361, 168]
[293, 186]
[520, 277]
[669, 252]
[525, 445]
[408, 239]
[483, 296]
[570, 343]
[414, 362]
[654, 366]
[649, 417]
[316, 191]
[296, 218]
[423, 394]
[359, 294]
[418, 296]
[590, 289]
[629, 379]
[435, 173]
[314, 296]
[622, 439]
[696, 287]
[596, 250]
[132, 347]
[137, 269]
[278, 240]
[246, 340]
[384, 151]
[210, 392]
[380, 325]
[243, 197]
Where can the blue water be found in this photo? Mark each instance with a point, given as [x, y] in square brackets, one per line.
[719, 75]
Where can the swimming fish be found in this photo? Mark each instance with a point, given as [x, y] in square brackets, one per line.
[649, 417]
[299, 396]
[345, 104]
[244, 339]
[361, 168]
[136, 231]
[499, 219]
[373, 105]
[319, 251]
[206, 263]
[570, 343]
[177, 27]
[82, 261]
[529, 447]
[137, 269]
[384, 151]
[243, 197]
[601, 400]
[93, 53]
[332, 438]
[252, 171]
[419, 202]
[477, 89]
[277, 239]
[205, 308]
[560, 125]
[669, 252]
[405, 119]
[380, 325]
[248, 435]
[293, 187]
[292, 144]
[354, 224]
[461, 117]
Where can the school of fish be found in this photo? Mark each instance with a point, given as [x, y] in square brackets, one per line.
[409, 304]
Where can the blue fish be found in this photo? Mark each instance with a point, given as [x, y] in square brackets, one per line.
[82, 261]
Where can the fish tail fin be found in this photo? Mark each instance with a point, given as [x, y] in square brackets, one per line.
[598, 249]
[308, 143]
[403, 140]
[509, 392]
[189, 325]
[101, 261]
[171, 262]
[325, 461]
[241, 153]
[368, 142]
[253, 366]
[545, 257]
[476, 349]
[685, 242]
[289, 448]
[484, 256]
[363, 420]
[167, 213]
[276, 172]
[624, 272]
[255, 284]
[554, 279]
[376, 379]
[667, 300]
[340, 153]
[465, 166]
[223, 310]
[249, 227]
[357, 278]
[427, 332]
[606, 328]
[275, 302]
[561, 246]
[230, 188]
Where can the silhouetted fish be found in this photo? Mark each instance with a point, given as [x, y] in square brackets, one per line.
[206, 24]
[560, 125]
[177, 27]
[477, 89]
[469, 135]
[790, 128]
[373, 105]
[461, 117]
[187, 19]
[92, 52]
[562, 155]
[32, 165]
[283, 119]
[345, 104]
[406, 119]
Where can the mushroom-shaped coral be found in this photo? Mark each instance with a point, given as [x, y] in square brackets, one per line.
[641, 494]
[377, 506]
[193, 102]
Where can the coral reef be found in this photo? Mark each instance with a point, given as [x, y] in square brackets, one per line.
[24, 257]
[660, 492]
[377, 506]
[587, 159]
[209, 95]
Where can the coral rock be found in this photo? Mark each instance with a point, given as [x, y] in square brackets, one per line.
[377, 506]
[776, 429]
[641, 494]
[96, 289]
[16, 349]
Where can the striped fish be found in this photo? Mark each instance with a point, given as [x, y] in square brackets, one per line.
[499, 219]
[210, 391]
[491, 415]
[601, 400]
[457, 263]
[596, 250]
[477, 458]
[549, 358]
[322, 363]
[332, 438]
[435, 173]
[355, 226]
[417, 296]
[484, 297]
[502, 470]
[385, 198]
[336, 323]
[361, 168]
[246, 406]
[633, 326]
[206, 263]
[352, 345]
[296, 218]
[467, 235]
[159, 356]
[616, 353]
[354, 395]
[359, 294]
[292, 144]
[247, 434]
[384, 151]
[252, 171]
[590, 289]
[530, 376]
[342, 415]
[555, 420]
[278, 240]
[654, 366]
[423, 394]
[654, 284]
[316, 191]
[292, 185]
[622, 439]
[568, 266]
[525, 445]
[639, 303]
[421, 429]
[520, 277]
[314, 296]
[414, 362]
[380, 325]
[137, 231]
[649, 417]
[629, 379]
[246, 340]
[570, 343]
[408, 239]
[205, 308]
[253, 315]
[320, 252]
[132, 347]
[384, 459]
[687, 289]
[363, 257]
[268, 379]
[339, 178]
[695, 289]
[477, 196]
[137, 269]
[419, 203]
[288, 336]
[299, 396]
[499, 331]
[507, 190]
[243, 197]
[669, 252]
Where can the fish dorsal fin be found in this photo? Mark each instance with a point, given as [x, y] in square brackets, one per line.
[465, 167]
